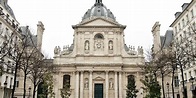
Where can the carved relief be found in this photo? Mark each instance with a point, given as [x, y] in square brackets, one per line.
[98, 42]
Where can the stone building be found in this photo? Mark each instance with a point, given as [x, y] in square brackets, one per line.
[98, 63]
[161, 46]
[182, 39]
[8, 26]
[10, 34]
[184, 27]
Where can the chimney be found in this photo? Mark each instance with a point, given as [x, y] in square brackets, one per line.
[5, 1]
[40, 30]
[184, 6]
[177, 14]
[156, 36]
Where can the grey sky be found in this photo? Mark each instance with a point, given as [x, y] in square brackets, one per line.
[58, 16]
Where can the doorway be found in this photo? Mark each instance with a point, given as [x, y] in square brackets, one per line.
[98, 90]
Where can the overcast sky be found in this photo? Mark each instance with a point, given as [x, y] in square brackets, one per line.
[58, 15]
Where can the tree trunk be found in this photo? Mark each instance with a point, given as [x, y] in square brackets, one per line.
[173, 70]
[162, 80]
[15, 75]
[183, 85]
[34, 89]
[24, 84]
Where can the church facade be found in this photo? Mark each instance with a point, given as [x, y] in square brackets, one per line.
[98, 63]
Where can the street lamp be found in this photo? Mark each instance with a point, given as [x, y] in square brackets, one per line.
[168, 89]
[5, 85]
[29, 91]
[192, 87]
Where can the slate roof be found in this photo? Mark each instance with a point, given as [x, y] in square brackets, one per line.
[32, 39]
[7, 7]
[167, 39]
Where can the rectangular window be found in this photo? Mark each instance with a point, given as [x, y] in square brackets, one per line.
[185, 76]
[0, 25]
[7, 30]
[195, 72]
[190, 74]
[179, 26]
[6, 79]
[176, 29]
[192, 13]
[185, 34]
[183, 23]
[194, 27]
[11, 82]
[187, 18]
[176, 81]
[189, 29]
[17, 83]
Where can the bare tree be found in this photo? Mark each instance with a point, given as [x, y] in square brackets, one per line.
[17, 52]
[39, 69]
[150, 82]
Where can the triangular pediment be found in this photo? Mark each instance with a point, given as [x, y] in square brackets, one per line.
[99, 79]
[99, 22]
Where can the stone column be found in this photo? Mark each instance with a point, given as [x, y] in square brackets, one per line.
[90, 85]
[81, 84]
[120, 84]
[116, 85]
[77, 85]
[106, 83]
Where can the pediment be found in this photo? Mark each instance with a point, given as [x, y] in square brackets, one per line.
[99, 22]
[98, 79]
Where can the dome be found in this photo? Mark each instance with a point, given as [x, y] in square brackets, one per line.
[98, 10]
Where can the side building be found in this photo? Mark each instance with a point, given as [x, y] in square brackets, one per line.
[8, 27]
[12, 33]
[184, 29]
[161, 47]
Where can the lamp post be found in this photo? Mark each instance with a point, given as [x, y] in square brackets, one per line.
[29, 91]
[168, 90]
[5, 93]
[192, 87]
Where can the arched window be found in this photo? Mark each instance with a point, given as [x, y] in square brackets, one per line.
[98, 36]
[130, 78]
[66, 80]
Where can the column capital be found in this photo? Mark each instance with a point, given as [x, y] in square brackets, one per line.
[76, 71]
[106, 71]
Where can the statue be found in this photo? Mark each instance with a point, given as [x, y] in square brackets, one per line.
[111, 85]
[140, 50]
[86, 45]
[56, 50]
[65, 50]
[59, 49]
[86, 84]
[110, 45]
